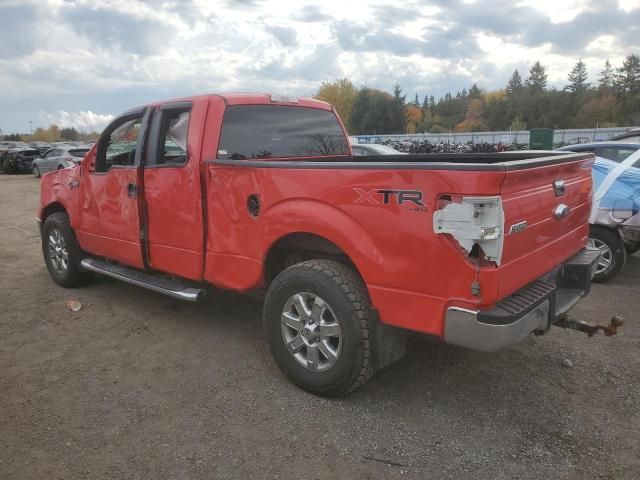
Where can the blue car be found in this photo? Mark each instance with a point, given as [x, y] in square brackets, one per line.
[615, 216]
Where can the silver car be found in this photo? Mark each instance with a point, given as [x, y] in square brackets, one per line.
[58, 157]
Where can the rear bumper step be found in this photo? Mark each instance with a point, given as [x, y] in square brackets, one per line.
[532, 309]
[152, 281]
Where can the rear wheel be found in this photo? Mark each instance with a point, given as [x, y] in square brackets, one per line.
[316, 318]
[613, 254]
[61, 251]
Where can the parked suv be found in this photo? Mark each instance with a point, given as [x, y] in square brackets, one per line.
[58, 157]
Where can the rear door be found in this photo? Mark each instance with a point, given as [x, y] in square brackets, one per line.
[109, 217]
[172, 207]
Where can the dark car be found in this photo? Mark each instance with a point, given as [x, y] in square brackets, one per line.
[19, 160]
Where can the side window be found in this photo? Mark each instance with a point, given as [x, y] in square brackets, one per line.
[173, 138]
[53, 153]
[120, 147]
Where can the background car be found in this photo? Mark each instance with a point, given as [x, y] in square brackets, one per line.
[614, 151]
[58, 157]
[615, 217]
[18, 160]
[632, 135]
[363, 149]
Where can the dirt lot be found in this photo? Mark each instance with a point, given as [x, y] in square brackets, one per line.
[136, 385]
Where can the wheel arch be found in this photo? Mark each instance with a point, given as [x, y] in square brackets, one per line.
[327, 233]
[53, 207]
[296, 247]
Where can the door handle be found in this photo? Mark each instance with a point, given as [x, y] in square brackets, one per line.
[132, 190]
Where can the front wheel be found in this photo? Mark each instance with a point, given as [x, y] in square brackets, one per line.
[61, 251]
[613, 254]
[316, 319]
[36, 171]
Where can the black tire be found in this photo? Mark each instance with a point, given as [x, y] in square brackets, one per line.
[36, 171]
[60, 167]
[345, 294]
[71, 275]
[614, 243]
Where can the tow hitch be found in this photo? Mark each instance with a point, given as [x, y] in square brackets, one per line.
[609, 330]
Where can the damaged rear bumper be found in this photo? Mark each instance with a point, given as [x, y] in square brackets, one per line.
[533, 309]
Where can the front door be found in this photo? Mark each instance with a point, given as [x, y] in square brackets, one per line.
[172, 209]
[108, 219]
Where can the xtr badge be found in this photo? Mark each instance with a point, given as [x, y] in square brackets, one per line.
[410, 199]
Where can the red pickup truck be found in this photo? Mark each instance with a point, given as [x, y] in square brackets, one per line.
[251, 191]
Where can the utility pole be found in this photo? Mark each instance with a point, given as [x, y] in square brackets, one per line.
[30, 127]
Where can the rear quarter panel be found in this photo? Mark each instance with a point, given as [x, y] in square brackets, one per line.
[406, 266]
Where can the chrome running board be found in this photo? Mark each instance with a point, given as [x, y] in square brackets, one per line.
[152, 281]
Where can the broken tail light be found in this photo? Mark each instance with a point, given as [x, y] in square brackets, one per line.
[473, 221]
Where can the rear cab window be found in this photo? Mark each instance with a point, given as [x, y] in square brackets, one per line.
[277, 131]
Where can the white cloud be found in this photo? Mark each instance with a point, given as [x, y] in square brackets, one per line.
[82, 57]
[85, 121]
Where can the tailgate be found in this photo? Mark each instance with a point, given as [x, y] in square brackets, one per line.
[546, 212]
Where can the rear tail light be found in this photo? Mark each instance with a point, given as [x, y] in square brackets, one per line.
[473, 221]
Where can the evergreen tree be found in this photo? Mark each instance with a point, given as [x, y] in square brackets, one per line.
[425, 104]
[578, 78]
[474, 92]
[627, 77]
[416, 101]
[606, 76]
[397, 110]
[537, 81]
[515, 84]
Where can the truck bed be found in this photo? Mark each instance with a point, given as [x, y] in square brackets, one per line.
[426, 161]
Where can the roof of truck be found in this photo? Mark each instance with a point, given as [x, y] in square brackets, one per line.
[244, 98]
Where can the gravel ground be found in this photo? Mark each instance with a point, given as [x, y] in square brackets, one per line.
[136, 385]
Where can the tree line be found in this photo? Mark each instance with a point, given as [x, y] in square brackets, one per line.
[53, 134]
[613, 100]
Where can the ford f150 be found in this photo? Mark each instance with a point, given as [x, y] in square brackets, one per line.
[251, 191]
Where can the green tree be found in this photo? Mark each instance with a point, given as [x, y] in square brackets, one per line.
[605, 80]
[578, 78]
[515, 83]
[397, 110]
[341, 94]
[537, 81]
[69, 133]
[627, 77]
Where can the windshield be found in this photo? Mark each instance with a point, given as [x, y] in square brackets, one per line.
[276, 131]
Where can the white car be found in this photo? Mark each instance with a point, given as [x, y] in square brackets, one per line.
[58, 157]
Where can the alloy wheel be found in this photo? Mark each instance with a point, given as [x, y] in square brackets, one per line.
[311, 331]
[58, 253]
[606, 255]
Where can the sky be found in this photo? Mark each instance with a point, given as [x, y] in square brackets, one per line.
[77, 63]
